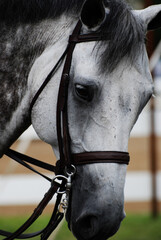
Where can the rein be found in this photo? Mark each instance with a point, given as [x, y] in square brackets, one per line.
[65, 168]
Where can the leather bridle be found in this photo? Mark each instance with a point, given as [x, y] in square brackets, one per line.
[65, 168]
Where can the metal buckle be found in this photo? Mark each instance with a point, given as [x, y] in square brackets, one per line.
[69, 172]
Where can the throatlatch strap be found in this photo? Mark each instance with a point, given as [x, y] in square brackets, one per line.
[48, 78]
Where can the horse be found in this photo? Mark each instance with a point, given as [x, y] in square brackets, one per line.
[110, 83]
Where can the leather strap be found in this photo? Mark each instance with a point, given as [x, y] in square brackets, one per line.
[101, 157]
[37, 212]
[47, 80]
[53, 223]
[62, 111]
[24, 160]
[85, 38]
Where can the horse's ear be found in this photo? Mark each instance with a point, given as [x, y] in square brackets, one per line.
[93, 13]
[151, 16]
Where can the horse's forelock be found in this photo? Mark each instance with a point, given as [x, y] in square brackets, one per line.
[125, 35]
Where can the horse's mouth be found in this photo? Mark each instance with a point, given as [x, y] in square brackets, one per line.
[100, 236]
[94, 232]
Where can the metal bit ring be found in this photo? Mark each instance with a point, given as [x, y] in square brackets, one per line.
[70, 172]
[60, 177]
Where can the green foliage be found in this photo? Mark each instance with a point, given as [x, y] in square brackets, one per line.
[134, 227]
[139, 227]
[11, 224]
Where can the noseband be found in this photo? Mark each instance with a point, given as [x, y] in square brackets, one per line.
[66, 166]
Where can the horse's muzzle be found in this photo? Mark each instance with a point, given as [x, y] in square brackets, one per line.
[97, 201]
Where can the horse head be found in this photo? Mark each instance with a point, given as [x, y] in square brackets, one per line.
[110, 83]
[106, 96]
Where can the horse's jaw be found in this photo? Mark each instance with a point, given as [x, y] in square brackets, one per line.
[97, 201]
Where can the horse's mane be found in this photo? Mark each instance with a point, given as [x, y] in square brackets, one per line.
[121, 27]
[26, 11]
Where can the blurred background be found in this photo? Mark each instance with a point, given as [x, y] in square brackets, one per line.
[21, 191]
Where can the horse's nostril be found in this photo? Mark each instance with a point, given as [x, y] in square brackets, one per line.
[87, 223]
[88, 226]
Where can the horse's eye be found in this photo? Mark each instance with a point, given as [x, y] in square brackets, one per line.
[84, 92]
